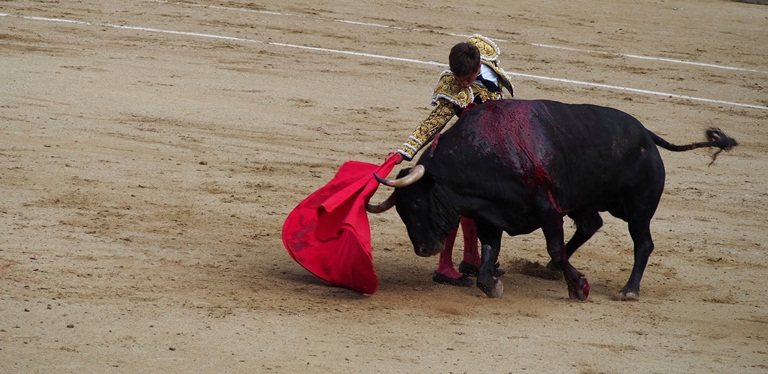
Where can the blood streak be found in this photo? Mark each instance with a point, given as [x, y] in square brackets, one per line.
[515, 137]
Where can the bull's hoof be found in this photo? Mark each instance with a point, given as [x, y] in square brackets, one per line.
[578, 287]
[462, 281]
[495, 291]
[629, 295]
[580, 294]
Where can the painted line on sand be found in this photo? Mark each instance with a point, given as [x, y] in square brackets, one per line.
[384, 57]
[541, 45]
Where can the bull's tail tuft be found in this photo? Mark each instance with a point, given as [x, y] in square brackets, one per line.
[722, 141]
[715, 138]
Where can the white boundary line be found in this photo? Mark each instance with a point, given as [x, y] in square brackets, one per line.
[628, 55]
[391, 58]
[660, 59]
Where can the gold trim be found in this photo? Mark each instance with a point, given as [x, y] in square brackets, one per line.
[489, 51]
[449, 88]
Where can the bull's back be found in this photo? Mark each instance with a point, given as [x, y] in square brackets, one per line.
[578, 152]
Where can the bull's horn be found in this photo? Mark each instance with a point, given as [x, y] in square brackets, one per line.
[416, 173]
[383, 207]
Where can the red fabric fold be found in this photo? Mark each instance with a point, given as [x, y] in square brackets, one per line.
[328, 233]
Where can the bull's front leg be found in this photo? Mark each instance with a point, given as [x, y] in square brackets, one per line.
[490, 241]
[578, 287]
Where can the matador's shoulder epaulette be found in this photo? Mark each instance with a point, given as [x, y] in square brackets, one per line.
[489, 56]
[449, 88]
[489, 51]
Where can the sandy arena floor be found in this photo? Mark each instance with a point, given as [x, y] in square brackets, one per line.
[151, 151]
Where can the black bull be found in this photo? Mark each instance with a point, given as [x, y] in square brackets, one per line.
[516, 166]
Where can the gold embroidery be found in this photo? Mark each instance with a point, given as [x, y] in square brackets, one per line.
[484, 94]
[489, 51]
[435, 122]
[449, 88]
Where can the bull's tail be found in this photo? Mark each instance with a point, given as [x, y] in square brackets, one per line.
[715, 138]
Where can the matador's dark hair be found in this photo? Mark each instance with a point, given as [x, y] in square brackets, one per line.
[464, 59]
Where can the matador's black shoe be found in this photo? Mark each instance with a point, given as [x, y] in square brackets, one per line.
[463, 281]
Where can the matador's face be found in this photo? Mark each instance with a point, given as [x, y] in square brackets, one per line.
[467, 80]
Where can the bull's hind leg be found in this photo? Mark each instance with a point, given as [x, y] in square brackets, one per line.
[587, 223]
[641, 236]
[578, 287]
[638, 208]
[638, 205]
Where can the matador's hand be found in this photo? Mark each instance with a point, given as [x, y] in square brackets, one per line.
[400, 158]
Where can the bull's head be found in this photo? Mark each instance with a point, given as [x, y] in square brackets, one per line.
[427, 220]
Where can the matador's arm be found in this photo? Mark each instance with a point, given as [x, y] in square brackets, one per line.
[435, 122]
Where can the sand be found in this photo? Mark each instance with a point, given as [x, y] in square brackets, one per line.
[152, 150]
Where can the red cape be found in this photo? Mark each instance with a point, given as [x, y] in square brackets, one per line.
[328, 233]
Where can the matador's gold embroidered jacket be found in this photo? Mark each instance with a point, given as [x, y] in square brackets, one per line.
[450, 98]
